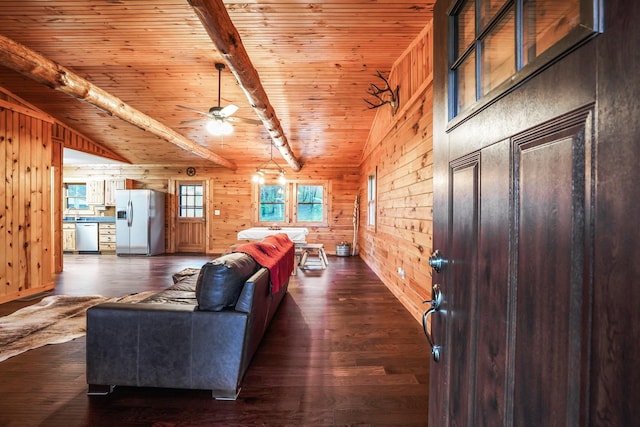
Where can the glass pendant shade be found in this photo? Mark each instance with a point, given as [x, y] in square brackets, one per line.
[219, 127]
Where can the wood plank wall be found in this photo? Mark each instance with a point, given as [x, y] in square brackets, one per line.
[231, 194]
[400, 152]
[26, 251]
[74, 140]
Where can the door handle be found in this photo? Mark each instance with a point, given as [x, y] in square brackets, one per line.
[436, 261]
[435, 306]
[129, 213]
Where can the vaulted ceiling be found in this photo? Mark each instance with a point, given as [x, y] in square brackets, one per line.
[315, 61]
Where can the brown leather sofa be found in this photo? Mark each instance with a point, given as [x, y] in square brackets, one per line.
[201, 333]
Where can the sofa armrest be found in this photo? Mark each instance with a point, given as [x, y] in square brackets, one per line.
[254, 292]
[260, 304]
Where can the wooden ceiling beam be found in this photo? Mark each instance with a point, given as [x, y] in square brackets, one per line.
[43, 70]
[216, 21]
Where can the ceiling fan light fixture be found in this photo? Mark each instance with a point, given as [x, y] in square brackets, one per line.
[219, 127]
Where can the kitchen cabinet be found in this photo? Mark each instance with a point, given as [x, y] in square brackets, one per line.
[95, 192]
[68, 237]
[107, 237]
[110, 187]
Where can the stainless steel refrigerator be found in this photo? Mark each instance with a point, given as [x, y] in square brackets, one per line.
[139, 222]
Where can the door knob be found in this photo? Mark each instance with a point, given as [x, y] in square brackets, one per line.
[436, 261]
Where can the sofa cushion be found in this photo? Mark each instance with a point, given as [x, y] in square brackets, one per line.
[220, 281]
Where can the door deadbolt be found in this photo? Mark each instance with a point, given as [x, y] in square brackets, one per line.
[436, 261]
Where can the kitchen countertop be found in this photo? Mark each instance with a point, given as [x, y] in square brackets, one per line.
[83, 219]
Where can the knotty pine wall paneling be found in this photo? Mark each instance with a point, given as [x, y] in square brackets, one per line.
[56, 205]
[400, 151]
[26, 253]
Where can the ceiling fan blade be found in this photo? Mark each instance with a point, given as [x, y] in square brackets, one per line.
[228, 110]
[244, 120]
[193, 109]
[200, 119]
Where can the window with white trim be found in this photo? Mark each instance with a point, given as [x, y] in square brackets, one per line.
[76, 197]
[75, 200]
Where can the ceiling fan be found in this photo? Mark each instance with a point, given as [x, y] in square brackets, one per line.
[219, 118]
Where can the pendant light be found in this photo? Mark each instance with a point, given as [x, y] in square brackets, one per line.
[269, 168]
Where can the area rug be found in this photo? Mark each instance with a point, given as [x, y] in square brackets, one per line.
[55, 319]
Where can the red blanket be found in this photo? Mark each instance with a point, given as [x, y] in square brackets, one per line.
[275, 252]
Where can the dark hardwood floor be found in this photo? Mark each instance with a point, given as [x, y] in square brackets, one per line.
[341, 350]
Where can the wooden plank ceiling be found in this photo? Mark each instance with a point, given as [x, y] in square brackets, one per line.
[315, 61]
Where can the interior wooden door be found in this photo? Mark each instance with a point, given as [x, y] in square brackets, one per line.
[191, 216]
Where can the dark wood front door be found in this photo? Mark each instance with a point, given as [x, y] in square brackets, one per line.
[533, 213]
[516, 284]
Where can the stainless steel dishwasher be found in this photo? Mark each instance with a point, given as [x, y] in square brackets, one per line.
[87, 236]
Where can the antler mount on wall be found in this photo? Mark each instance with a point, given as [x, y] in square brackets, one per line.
[384, 95]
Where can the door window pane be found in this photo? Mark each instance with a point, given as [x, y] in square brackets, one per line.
[498, 53]
[271, 203]
[466, 82]
[466, 20]
[191, 201]
[488, 9]
[545, 22]
[310, 203]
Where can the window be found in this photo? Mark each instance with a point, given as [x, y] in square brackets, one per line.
[191, 201]
[371, 200]
[76, 197]
[498, 43]
[307, 204]
[272, 198]
[310, 203]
